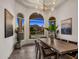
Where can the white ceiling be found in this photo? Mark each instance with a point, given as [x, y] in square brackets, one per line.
[35, 3]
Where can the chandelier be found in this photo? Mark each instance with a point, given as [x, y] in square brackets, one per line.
[46, 5]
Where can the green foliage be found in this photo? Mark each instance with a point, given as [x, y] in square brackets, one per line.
[52, 27]
[20, 15]
[32, 30]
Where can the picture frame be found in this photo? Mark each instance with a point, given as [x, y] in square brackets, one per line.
[8, 18]
[66, 26]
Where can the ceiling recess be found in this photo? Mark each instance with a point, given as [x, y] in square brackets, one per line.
[45, 5]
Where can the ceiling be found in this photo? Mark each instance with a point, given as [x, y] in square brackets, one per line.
[42, 3]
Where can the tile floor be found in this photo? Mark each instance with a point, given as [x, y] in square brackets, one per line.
[26, 52]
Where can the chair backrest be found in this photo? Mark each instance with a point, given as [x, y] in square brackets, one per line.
[44, 45]
[38, 49]
[42, 49]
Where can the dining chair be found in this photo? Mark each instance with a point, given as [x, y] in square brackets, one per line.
[44, 45]
[36, 49]
[72, 53]
[47, 52]
[66, 56]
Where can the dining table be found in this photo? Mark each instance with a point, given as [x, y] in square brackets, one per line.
[61, 47]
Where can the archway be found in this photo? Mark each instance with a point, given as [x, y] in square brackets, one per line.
[20, 23]
[36, 23]
[53, 26]
[52, 20]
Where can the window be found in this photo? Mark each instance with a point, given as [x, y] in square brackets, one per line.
[36, 25]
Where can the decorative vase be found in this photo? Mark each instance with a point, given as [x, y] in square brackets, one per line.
[20, 36]
[52, 36]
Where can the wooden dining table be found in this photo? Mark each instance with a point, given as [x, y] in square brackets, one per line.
[61, 47]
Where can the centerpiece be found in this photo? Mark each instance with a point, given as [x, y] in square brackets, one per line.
[52, 29]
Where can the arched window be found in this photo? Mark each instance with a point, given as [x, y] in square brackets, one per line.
[52, 21]
[36, 24]
[52, 24]
[20, 26]
[20, 22]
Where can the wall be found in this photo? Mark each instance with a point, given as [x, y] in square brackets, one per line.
[27, 11]
[64, 11]
[6, 44]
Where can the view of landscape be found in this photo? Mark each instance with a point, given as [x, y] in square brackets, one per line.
[17, 22]
[36, 26]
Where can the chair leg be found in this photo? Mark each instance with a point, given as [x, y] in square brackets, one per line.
[55, 57]
[36, 53]
[49, 57]
[39, 55]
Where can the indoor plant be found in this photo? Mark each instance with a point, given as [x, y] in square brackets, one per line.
[52, 28]
[19, 37]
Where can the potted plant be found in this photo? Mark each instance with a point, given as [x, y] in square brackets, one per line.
[17, 45]
[52, 31]
[52, 28]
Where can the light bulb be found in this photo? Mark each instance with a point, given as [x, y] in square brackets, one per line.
[53, 2]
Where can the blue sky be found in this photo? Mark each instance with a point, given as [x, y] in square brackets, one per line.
[53, 23]
[38, 21]
[17, 22]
